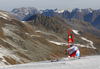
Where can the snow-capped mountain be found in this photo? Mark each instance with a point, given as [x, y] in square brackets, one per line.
[21, 13]
[69, 10]
[88, 15]
[46, 10]
[85, 11]
[58, 10]
[76, 10]
[88, 10]
[25, 10]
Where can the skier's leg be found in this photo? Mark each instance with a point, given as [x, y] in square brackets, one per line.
[73, 54]
[77, 54]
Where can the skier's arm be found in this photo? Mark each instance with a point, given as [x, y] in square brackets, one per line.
[70, 48]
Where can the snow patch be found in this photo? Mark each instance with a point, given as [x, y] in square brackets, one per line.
[23, 21]
[32, 35]
[80, 45]
[90, 10]
[77, 9]
[3, 52]
[76, 32]
[58, 43]
[6, 30]
[58, 10]
[38, 31]
[65, 44]
[69, 10]
[91, 43]
[26, 12]
[3, 15]
[80, 10]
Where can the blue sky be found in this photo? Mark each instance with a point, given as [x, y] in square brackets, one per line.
[8, 5]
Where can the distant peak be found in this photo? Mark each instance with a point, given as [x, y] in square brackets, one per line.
[77, 9]
[58, 10]
[69, 10]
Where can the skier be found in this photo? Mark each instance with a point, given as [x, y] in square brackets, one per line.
[74, 51]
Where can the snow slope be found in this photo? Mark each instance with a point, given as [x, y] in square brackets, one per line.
[89, 62]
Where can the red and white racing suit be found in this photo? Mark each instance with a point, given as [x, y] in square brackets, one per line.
[74, 51]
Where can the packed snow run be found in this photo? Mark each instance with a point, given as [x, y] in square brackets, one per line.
[89, 62]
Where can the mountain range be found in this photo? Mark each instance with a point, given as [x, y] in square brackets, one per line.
[88, 15]
[42, 36]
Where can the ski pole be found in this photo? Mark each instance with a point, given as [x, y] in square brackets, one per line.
[57, 56]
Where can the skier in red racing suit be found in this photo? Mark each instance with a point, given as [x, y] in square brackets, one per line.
[73, 51]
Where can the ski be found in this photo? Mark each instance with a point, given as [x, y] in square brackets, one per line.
[65, 59]
[54, 60]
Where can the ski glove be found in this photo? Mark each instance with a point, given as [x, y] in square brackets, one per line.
[66, 53]
[65, 50]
